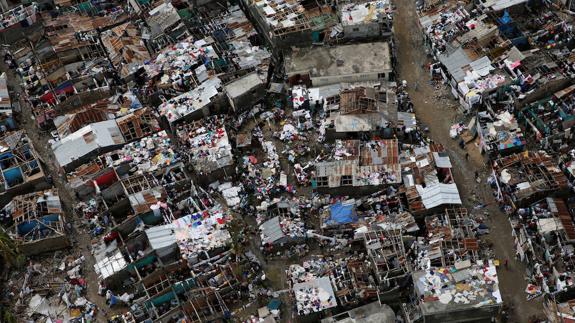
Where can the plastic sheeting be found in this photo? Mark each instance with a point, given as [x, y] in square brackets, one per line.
[341, 214]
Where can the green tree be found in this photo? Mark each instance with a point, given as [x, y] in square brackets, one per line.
[9, 250]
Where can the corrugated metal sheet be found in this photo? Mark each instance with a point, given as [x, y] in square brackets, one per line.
[454, 63]
[439, 194]
[498, 5]
[565, 217]
[442, 160]
[272, 230]
[161, 236]
[84, 141]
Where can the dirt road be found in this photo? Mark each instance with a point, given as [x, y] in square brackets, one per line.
[81, 240]
[439, 118]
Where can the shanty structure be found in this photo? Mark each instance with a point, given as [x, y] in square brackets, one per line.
[526, 177]
[370, 110]
[20, 166]
[442, 300]
[369, 163]
[39, 224]
[427, 179]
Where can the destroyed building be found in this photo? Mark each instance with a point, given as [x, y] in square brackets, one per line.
[357, 164]
[20, 164]
[441, 300]
[197, 148]
[428, 182]
[81, 140]
[551, 120]
[545, 231]
[126, 51]
[526, 177]
[370, 19]
[297, 23]
[557, 306]
[196, 69]
[38, 222]
[450, 238]
[361, 110]
[499, 134]
[209, 150]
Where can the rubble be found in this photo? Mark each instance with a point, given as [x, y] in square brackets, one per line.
[190, 153]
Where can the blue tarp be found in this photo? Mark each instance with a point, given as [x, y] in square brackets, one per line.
[274, 304]
[25, 227]
[13, 176]
[506, 18]
[341, 214]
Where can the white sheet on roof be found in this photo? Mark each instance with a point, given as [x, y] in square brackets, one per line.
[110, 265]
[84, 141]
[438, 194]
[161, 236]
[497, 5]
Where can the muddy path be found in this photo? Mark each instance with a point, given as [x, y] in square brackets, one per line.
[436, 109]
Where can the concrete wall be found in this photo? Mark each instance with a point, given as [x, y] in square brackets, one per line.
[483, 314]
[352, 191]
[28, 187]
[283, 42]
[247, 100]
[82, 99]
[17, 33]
[544, 91]
[361, 31]
[352, 78]
[44, 245]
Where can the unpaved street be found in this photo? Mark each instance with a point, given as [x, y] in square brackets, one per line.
[438, 117]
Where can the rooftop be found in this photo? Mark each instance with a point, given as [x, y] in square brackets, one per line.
[362, 13]
[444, 290]
[340, 60]
[86, 140]
[372, 312]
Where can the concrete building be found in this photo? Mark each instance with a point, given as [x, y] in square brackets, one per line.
[341, 64]
[284, 25]
[441, 300]
[366, 20]
[246, 91]
[360, 164]
[38, 222]
[372, 312]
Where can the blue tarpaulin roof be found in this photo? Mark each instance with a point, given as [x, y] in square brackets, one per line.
[341, 214]
[506, 18]
[274, 304]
